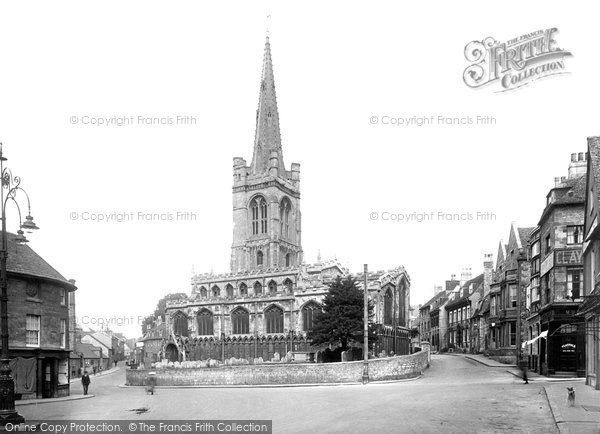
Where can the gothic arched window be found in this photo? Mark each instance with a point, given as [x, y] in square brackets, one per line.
[205, 323]
[263, 216]
[258, 210]
[274, 320]
[308, 315]
[240, 321]
[254, 210]
[244, 290]
[229, 290]
[257, 288]
[289, 285]
[216, 291]
[388, 303]
[260, 258]
[180, 324]
[203, 292]
[284, 218]
[272, 287]
[287, 260]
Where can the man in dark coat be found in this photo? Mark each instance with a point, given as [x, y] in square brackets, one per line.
[85, 381]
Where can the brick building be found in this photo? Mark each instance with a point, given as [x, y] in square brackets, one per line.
[507, 296]
[38, 324]
[267, 302]
[555, 291]
[589, 311]
[458, 314]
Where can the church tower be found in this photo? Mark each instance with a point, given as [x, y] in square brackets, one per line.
[266, 196]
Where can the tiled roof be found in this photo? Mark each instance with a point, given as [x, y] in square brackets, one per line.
[23, 260]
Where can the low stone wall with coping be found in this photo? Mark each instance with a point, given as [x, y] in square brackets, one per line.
[388, 368]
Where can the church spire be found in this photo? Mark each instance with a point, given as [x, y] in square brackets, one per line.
[267, 140]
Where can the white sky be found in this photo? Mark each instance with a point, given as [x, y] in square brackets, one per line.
[336, 65]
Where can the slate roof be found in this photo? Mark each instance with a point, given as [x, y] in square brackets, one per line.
[451, 284]
[570, 191]
[524, 234]
[484, 306]
[23, 260]
[85, 350]
[476, 281]
[102, 338]
[432, 300]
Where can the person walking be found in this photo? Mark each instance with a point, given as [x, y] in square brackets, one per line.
[85, 381]
[151, 382]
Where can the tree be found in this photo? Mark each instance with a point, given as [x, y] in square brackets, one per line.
[414, 332]
[341, 320]
[159, 311]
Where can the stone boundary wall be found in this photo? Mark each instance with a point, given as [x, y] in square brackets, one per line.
[389, 368]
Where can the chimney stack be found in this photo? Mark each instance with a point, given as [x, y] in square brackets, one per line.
[578, 165]
[465, 275]
[488, 269]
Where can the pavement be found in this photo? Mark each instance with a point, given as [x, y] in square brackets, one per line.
[583, 417]
[98, 374]
[73, 396]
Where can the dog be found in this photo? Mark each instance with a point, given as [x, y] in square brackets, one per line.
[571, 396]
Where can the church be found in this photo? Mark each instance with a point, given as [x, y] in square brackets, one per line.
[267, 303]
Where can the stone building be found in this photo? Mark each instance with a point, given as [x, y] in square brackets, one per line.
[38, 324]
[438, 319]
[589, 311]
[507, 296]
[555, 292]
[458, 314]
[267, 303]
[480, 308]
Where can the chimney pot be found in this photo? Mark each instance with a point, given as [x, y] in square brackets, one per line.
[581, 156]
[573, 158]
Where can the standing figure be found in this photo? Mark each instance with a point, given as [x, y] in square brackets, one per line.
[85, 381]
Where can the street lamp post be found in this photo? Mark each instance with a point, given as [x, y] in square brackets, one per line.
[365, 375]
[11, 184]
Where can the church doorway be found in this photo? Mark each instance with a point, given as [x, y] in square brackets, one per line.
[172, 353]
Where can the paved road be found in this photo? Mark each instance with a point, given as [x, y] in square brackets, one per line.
[456, 395]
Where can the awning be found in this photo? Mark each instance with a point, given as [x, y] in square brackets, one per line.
[543, 334]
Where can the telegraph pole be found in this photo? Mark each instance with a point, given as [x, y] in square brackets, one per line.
[365, 376]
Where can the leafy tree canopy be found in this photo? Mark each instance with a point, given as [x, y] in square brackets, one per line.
[342, 318]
